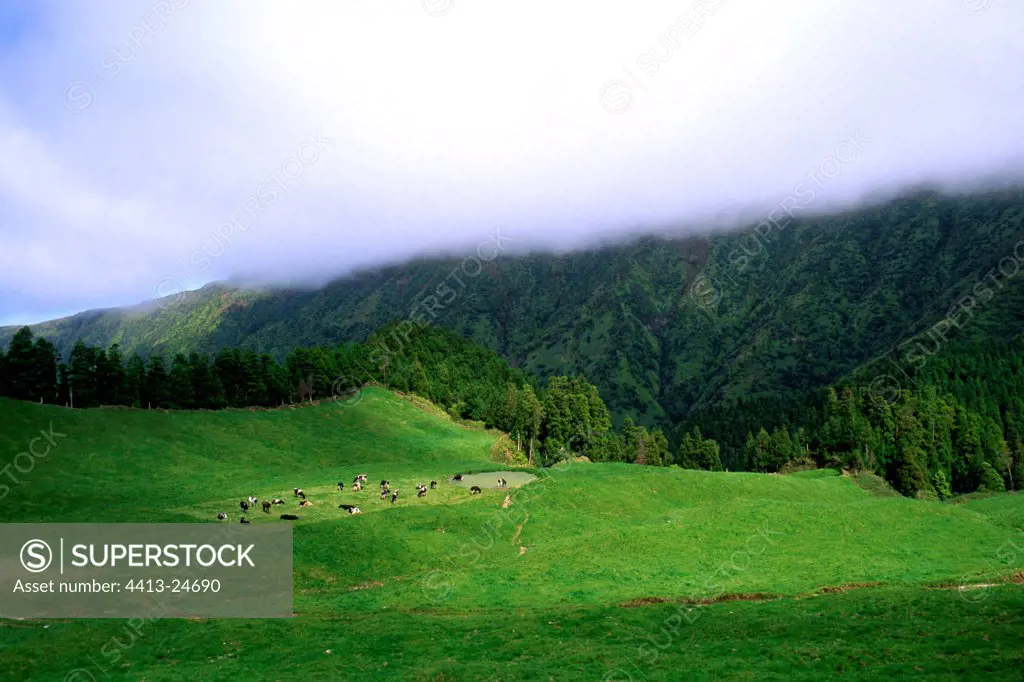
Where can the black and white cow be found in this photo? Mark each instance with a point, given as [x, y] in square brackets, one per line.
[277, 501]
[222, 516]
[394, 496]
[346, 507]
[243, 520]
[383, 495]
[357, 487]
[474, 490]
[433, 485]
[362, 478]
[457, 477]
[299, 493]
[244, 505]
[355, 510]
[421, 491]
[341, 485]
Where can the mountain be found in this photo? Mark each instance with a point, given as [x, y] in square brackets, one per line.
[664, 325]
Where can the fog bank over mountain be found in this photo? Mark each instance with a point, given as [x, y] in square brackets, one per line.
[149, 146]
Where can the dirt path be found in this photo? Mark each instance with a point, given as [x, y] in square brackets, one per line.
[519, 530]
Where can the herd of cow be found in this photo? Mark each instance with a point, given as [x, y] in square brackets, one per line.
[357, 485]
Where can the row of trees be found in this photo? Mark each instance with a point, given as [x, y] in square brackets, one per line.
[564, 417]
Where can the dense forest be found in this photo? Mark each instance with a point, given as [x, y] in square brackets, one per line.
[949, 423]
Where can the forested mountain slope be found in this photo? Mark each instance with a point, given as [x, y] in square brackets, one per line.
[662, 326]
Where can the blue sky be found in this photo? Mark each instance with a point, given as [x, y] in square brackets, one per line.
[154, 145]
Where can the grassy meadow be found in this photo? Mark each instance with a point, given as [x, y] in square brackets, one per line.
[594, 571]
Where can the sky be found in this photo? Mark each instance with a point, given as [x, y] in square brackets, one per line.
[155, 145]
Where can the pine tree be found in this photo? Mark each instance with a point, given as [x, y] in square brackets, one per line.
[157, 384]
[19, 366]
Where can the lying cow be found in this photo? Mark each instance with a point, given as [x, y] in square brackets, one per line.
[289, 517]
[243, 520]
[277, 501]
[305, 503]
[222, 516]
[355, 510]
[457, 477]
[346, 507]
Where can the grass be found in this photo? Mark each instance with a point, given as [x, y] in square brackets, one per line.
[460, 587]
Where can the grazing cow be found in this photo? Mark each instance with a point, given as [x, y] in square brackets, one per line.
[341, 485]
[253, 501]
[394, 496]
[433, 485]
[362, 477]
[289, 517]
[383, 495]
[422, 492]
[299, 493]
[474, 490]
[457, 477]
[277, 501]
[266, 507]
[305, 503]
[222, 516]
[243, 520]
[357, 487]
[244, 505]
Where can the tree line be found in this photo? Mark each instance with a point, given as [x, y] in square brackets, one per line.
[563, 417]
[954, 425]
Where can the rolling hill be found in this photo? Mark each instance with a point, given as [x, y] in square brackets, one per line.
[683, 573]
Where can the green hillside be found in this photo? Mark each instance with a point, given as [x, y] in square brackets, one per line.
[662, 326]
[456, 586]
